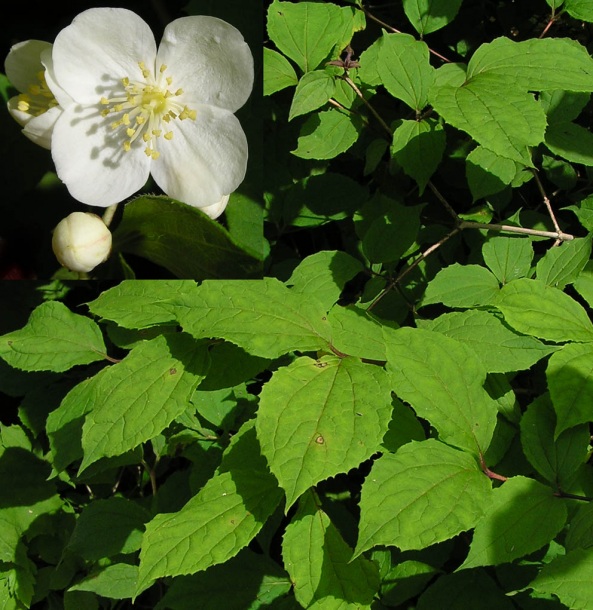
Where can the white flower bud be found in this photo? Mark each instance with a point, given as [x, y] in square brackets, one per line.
[81, 241]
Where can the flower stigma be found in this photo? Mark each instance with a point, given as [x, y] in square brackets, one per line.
[146, 108]
[38, 99]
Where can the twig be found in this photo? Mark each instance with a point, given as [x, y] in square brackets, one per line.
[548, 205]
[396, 31]
[489, 473]
[560, 235]
[393, 283]
[448, 207]
[358, 92]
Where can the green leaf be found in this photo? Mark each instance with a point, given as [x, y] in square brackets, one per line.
[462, 286]
[319, 418]
[356, 332]
[535, 64]
[64, 424]
[278, 73]
[500, 117]
[580, 532]
[425, 493]
[312, 92]
[406, 580]
[116, 581]
[571, 142]
[570, 381]
[54, 339]
[158, 229]
[139, 397]
[263, 317]
[569, 579]
[403, 428]
[327, 134]
[418, 147]
[442, 379]
[257, 582]
[308, 32]
[563, 106]
[133, 304]
[322, 198]
[580, 9]
[561, 265]
[318, 561]
[532, 308]
[463, 590]
[244, 216]
[556, 459]
[509, 258]
[584, 283]
[108, 527]
[324, 274]
[521, 517]
[584, 212]
[488, 173]
[391, 233]
[218, 522]
[405, 70]
[499, 349]
[428, 16]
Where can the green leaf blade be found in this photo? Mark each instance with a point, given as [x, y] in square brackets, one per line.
[405, 70]
[503, 119]
[427, 492]
[318, 561]
[278, 73]
[418, 146]
[499, 349]
[327, 134]
[54, 339]
[216, 523]
[132, 304]
[570, 381]
[428, 16]
[313, 91]
[442, 379]
[318, 418]
[158, 229]
[536, 64]
[532, 308]
[462, 286]
[168, 368]
[508, 258]
[264, 317]
[556, 459]
[522, 516]
[568, 578]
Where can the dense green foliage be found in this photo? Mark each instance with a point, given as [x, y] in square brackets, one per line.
[398, 415]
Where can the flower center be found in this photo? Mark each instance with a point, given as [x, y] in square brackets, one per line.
[145, 108]
[38, 99]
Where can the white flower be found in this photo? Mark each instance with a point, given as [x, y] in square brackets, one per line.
[81, 241]
[216, 209]
[138, 111]
[27, 67]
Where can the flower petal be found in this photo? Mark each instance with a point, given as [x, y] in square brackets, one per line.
[39, 129]
[23, 63]
[61, 96]
[99, 48]
[90, 159]
[209, 59]
[216, 209]
[205, 160]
